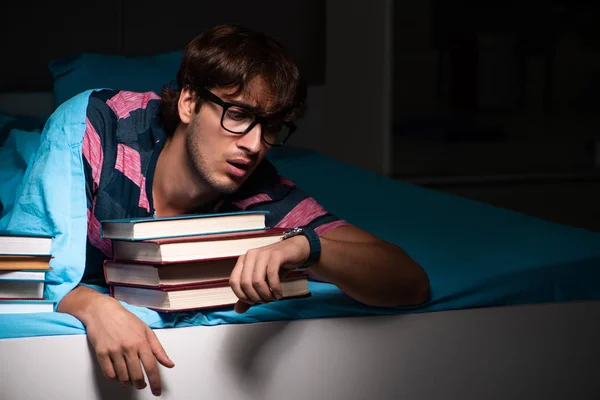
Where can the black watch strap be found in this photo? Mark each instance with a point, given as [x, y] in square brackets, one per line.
[313, 240]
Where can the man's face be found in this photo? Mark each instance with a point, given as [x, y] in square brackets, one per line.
[223, 160]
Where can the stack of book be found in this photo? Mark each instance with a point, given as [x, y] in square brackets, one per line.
[184, 263]
[24, 261]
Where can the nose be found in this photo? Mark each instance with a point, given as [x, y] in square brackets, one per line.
[251, 140]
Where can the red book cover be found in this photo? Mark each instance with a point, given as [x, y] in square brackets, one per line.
[200, 285]
[216, 306]
[214, 237]
[208, 307]
[195, 248]
[165, 263]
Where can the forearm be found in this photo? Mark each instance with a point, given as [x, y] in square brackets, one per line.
[378, 274]
[83, 302]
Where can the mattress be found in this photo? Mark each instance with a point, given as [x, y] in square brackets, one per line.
[475, 255]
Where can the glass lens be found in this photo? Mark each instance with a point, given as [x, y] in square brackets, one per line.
[275, 133]
[237, 119]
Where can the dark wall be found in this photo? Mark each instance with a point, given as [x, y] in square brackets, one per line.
[35, 34]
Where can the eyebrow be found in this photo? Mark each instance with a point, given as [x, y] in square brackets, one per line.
[248, 107]
[226, 98]
[259, 111]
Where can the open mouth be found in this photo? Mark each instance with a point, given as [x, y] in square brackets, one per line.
[240, 165]
[238, 168]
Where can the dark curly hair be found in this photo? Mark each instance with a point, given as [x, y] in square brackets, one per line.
[231, 56]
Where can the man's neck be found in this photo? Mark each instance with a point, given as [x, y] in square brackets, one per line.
[176, 189]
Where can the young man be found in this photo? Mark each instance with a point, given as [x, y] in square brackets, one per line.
[201, 148]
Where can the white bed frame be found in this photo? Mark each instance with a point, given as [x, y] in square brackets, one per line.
[528, 352]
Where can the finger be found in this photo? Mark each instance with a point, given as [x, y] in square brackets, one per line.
[241, 307]
[158, 350]
[106, 365]
[247, 273]
[273, 278]
[151, 367]
[134, 369]
[120, 367]
[235, 280]
[259, 278]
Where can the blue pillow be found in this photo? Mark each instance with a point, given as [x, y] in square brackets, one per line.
[24, 129]
[75, 74]
[22, 122]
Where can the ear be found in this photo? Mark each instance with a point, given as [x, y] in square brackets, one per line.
[186, 105]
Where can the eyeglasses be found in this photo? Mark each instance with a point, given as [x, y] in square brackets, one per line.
[240, 120]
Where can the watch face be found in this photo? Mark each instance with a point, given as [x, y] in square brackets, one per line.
[292, 232]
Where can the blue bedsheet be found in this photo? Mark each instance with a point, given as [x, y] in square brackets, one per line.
[476, 255]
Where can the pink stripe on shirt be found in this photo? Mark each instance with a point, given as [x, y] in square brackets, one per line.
[304, 212]
[285, 181]
[323, 229]
[124, 102]
[129, 163]
[92, 152]
[93, 233]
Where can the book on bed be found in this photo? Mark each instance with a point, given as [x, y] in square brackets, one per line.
[194, 248]
[169, 274]
[184, 225]
[179, 271]
[26, 306]
[21, 289]
[29, 263]
[24, 261]
[200, 296]
[22, 275]
[19, 244]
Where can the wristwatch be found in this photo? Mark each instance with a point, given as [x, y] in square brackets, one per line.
[313, 241]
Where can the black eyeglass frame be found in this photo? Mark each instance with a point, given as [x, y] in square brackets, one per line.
[213, 98]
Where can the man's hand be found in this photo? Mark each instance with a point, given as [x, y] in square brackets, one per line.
[256, 276]
[121, 340]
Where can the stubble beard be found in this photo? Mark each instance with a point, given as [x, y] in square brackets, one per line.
[199, 164]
